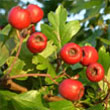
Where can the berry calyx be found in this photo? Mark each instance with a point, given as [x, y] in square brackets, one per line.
[71, 89]
[71, 53]
[36, 13]
[90, 55]
[19, 18]
[95, 72]
[37, 42]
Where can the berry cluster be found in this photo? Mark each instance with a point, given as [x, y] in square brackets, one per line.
[72, 53]
[21, 18]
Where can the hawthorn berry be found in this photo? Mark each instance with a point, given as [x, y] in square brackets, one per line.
[95, 72]
[37, 42]
[71, 53]
[90, 55]
[36, 13]
[71, 89]
[19, 18]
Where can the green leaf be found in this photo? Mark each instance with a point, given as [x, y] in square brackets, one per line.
[43, 64]
[76, 66]
[5, 97]
[6, 50]
[7, 94]
[17, 68]
[49, 32]
[7, 43]
[26, 56]
[104, 58]
[6, 30]
[49, 50]
[61, 105]
[103, 85]
[59, 31]
[97, 107]
[31, 100]
[59, 18]
[69, 31]
[92, 38]
[105, 41]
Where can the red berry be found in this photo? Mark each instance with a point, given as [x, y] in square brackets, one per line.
[37, 42]
[95, 72]
[36, 13]
[90, 55]
[71, 89]
[71, 53]
[19, 18]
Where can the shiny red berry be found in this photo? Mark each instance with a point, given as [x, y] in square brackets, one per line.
[37, 42]
[19, 18]
[71, 89]
[71, 53]
[95, 72]
[90, 55]
[36, 13]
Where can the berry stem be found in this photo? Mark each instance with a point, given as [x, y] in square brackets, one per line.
[51, 98]
[14, 87]
[17, 54]
[63, 74]
[33, 74]
[58, 63]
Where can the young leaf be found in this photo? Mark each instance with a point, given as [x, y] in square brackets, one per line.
[18, 68]
[59, 31]
[104, 58]
[43, 64]
[103, 85]
[49, 50]
[70, 29]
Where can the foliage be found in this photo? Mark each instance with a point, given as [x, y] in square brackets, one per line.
[93, 29]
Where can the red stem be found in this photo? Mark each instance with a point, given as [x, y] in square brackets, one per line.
[17, 54]
[34, 74]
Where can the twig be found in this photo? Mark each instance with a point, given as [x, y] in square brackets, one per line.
[17, 54]
[62, 75]
[108, 83]
[33, 74]
[15, 87]
[18, 35]
[58, 63]
[51, 98]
